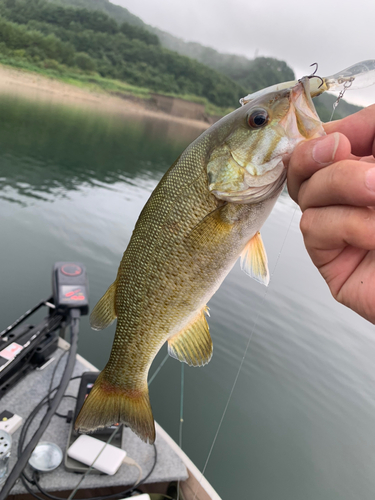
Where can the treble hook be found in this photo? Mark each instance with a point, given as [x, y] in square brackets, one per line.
[314, 75]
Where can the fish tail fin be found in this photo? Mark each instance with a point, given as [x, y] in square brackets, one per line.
[108, 404]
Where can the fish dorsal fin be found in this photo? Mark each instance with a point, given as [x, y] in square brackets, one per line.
[254, 260]
[193, 345]
[104, 312]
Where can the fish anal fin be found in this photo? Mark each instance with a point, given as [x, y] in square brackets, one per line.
[108, 404]
[104, 313]
[193, 345]
[254, 260]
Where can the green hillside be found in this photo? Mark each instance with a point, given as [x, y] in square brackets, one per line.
[78, 41]
[120, 14]
[99, 44]
[250, 74]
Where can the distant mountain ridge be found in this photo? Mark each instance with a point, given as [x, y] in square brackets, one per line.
[232, 65]
[120, 14]
[235, 66]
[250, 74]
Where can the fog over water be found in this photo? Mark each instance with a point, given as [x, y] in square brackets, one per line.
[334, 34]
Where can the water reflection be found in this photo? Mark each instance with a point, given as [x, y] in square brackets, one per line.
[46, 150]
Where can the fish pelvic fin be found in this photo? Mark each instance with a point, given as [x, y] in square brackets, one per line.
[104, 313]
[108, 404]
[193, 345]
[254, 260]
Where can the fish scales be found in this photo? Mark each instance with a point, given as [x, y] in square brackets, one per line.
[207, 210]
[160, 261]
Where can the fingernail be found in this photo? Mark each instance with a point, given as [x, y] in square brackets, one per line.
[370, 179]
[325, 149]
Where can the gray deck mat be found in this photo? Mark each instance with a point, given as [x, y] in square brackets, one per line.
[23, 398]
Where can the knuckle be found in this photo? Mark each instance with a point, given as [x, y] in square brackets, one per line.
[367, 226]
[292, 190]
[336, 176]
[297, 162]
[303, 196]
[307, 222]
[359, 229]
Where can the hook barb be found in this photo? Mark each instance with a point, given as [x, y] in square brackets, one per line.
[316, 69]
[314, 75]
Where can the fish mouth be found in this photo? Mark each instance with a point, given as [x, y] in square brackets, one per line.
[301, 122]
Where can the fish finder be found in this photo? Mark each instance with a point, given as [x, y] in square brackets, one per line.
[24, 347]
[70, 287]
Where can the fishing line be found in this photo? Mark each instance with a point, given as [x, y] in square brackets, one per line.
[115, 431]
[158, 369]
[347, 85]
[255, 323]
[92, 465]
[181, 405]
[181, 420]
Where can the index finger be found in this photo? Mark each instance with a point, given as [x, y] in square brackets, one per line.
[359, 129]
[311, 156]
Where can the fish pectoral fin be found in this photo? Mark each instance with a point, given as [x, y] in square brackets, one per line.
[193, 345]
[104, 312]
[254, 260]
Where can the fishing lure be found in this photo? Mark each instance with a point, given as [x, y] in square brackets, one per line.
[358, 76]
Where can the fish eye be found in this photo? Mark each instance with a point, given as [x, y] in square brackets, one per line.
[257, 118]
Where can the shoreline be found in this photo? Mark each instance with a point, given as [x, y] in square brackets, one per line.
[34, 86]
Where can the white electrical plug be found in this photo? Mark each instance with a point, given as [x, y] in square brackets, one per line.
[143, 496]
[9, 422]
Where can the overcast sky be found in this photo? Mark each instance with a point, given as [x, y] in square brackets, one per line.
[335, 34]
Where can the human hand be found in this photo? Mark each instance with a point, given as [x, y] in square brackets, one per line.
[336, 193]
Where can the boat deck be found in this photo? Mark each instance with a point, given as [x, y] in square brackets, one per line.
[23, 398]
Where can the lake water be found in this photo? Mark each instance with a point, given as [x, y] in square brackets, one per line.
[300, 421]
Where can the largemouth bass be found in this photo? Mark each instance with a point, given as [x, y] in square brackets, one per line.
[206, 211]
